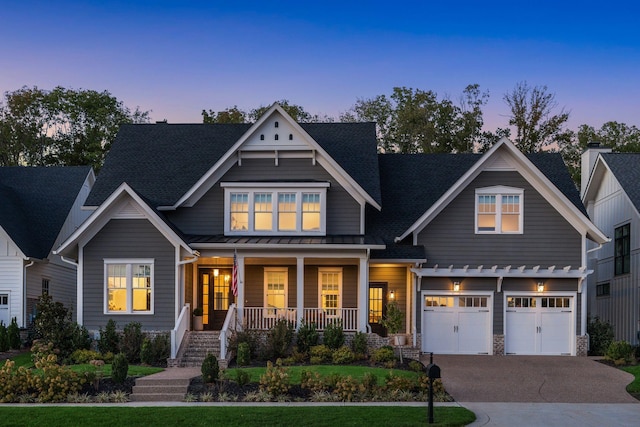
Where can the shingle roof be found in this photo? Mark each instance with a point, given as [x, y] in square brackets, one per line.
[163, 161]
[35, 202]
[412, 183]
[626, 168]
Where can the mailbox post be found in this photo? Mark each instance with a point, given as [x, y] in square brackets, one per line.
[433, 372]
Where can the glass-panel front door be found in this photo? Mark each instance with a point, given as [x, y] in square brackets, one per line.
[214, 296]
[377, 307]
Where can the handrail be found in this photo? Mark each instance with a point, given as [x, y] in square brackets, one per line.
[229, 322]
[179, 331]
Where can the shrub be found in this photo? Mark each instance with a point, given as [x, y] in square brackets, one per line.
[307, 337]
[600, 336]
[14, 382]
[347, 388]
[343, 356]
[210, 369]
[244, 354]
[395, 382]
[14, 335]
[248, 337]
[370, 381]
[41, 350]
[334, 335]
[155, 351]
[131, 342]
[85, 356]
[383, 355]
[279, 339]
[311, 381]
[275, 380]
[320, 354]
[54, 382]
[4, 337]
[423, 384]
[621, 352]
[416, 366]
[119, 368]
[109, 339]
[359, 345]
[242, 377]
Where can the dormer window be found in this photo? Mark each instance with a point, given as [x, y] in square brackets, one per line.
[275, 209]
[499, 210]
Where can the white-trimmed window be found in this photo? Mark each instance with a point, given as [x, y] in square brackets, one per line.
[499, 210]
[275, 290]
[330, 290]
[128, 286]
[274, 209]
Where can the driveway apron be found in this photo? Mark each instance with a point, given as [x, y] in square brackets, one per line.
[550, 379]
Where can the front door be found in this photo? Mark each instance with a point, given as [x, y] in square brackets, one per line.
[377, 307]
[214, 296]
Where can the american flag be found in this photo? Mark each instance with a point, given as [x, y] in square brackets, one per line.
[234, 275]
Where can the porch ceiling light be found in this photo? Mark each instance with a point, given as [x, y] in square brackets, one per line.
[540, 287]
[216, 272]
[456, 286]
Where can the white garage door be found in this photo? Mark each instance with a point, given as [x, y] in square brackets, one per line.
[458, 324]
[539, 325]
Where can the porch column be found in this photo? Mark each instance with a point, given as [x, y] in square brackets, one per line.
[240, 261]
[300, 290]
[363, 294]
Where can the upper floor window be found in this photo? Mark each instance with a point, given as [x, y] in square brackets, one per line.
[263, 209]
[128, 286]
[499, 210]
[622, 249]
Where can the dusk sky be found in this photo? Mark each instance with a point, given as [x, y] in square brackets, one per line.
[177, 58]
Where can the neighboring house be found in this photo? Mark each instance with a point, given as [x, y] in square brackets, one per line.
[39, 208]
[611, 193]
[483, 253]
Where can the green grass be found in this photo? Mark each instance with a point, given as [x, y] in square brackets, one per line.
[357, 372]
[23, 359]
[634, 387]
[234, 416]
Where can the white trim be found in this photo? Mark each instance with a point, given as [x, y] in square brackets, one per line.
[499, 191]
[338, 270]
[128, 263]
[277, 186]
[507, 271]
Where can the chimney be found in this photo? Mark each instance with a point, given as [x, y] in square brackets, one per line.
[588, 161]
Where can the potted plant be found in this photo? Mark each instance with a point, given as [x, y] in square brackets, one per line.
[197, 319]
[392, 320]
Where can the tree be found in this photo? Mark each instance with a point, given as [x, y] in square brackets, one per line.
[415, 121]
[531, 114]
[236, 115]
[61, 126]
[230, 115]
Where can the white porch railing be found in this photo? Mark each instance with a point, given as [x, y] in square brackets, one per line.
[230, 323]
[181, 327]
[263, 318]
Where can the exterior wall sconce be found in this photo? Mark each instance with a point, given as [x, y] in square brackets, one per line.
[392, 295]
[456, 286]
[216, 272]
[540, 287]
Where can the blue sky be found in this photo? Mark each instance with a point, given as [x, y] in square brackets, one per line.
[177, 58]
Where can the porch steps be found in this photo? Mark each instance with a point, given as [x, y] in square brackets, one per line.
[198, 345]
[170, 385]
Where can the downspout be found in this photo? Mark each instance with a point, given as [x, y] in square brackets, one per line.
[79, 288]
[24, 293]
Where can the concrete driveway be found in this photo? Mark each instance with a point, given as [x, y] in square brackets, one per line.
[550, 379]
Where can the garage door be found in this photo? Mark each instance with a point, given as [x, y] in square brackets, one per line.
[539, 325]
[458, 324]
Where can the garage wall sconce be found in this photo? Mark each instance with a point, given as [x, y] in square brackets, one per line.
[456, 286]
[540, 287]
[392, 295]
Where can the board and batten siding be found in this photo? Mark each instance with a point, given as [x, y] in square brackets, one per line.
[396, 280]
[129, 238]
[548, 238]
[207, 215]
[62, 284]
[621, 308]
[11, 284]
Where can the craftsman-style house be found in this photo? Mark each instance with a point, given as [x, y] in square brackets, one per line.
[305, 221]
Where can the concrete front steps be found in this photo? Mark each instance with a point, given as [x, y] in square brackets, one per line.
[197, 346]
[170, 385]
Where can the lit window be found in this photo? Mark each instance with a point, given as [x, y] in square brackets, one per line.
[129, 287]
[330, 285]
[275, 290]
[271, 210]
[499, 210]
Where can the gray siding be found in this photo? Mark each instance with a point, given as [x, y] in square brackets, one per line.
[62, 285]
[396, 279]
[548, 238]
[129, 238]
[207, 216]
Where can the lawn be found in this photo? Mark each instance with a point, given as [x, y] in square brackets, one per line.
[234, 416]
[634, 387]
[355, 371]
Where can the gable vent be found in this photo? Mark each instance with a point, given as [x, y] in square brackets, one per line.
[128, 211]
